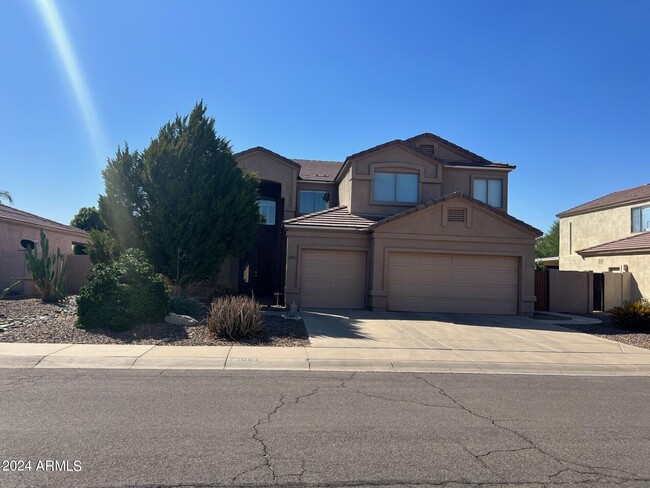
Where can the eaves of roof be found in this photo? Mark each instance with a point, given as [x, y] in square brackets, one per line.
[10, 214]
[268, 151]
[636, 244]
[499, 213]
[630, 196]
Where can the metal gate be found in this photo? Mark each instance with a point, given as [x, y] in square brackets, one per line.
[541, 290]
[599, 292]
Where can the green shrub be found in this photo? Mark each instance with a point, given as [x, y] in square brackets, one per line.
[632, 315]
[122, 294]
[102, 247]
[235, 317]
[186, 306]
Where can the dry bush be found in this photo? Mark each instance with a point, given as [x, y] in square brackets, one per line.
[235, 317]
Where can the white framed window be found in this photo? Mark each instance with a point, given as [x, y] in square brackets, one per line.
[267, 211]
[489, 191]
[313, 200]
[641, 219]
[396, 187]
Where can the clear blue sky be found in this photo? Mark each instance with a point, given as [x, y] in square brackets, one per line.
[560, 88]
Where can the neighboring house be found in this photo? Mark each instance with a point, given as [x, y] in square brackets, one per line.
[411, 225]
[611, 233]
[20, 230]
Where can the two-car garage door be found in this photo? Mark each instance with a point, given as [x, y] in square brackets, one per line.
[425, 282]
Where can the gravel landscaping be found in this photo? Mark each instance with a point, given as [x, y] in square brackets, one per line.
[608, 331]
[30, 320]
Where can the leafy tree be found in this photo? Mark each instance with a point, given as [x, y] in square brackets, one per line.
[88, 218]
[5, 195]
[183, 195]
[548, 245]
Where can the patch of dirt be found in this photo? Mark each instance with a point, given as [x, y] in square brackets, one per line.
[30, 320]
[607, 330]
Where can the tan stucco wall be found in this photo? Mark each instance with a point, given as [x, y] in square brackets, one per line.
[460, 180]
[591, 229]
[441, 150]
[270, 168]
[299, 240]
[12, 232]
[12, 256]
[345, 189]
[570, 291]
[393, 158]
[427, 230]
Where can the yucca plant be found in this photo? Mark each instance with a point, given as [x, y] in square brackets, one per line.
[235, 317]
[632, 315]
[48, 271]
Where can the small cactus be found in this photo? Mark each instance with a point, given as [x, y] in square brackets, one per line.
[48, 271]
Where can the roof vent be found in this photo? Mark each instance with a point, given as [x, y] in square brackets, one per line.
[428, 149]
[456, 215]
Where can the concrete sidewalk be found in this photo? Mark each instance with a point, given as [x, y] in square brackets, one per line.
[346, 340]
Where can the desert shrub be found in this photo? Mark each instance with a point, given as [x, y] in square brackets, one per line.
[632, 315]
[235, 317]
[186, 306]
[102, 247]
[122, 294]
[48, 271]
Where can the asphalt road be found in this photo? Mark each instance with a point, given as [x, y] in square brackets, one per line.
[195, 428]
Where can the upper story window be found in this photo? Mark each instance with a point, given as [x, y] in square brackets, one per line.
[396, 187]
[313, 200]
[641, 219]
[489, 191]
[267, 210]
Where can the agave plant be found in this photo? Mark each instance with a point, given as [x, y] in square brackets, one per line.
[48, 271]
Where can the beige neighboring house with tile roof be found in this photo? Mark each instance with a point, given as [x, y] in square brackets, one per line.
[611, 233]
[19, 229]
[417, 225]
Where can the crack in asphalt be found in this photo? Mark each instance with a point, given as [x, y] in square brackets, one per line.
[591, 470]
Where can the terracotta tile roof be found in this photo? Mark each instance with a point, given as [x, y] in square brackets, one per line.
[635, 243]
[457, 148]
[496, 211]
[337, 217]
[623, 197]
[396, 142]
[267, 151]
[315, 170]
[15, 215]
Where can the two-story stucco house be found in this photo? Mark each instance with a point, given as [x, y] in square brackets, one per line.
[410, 225]
[611, 233]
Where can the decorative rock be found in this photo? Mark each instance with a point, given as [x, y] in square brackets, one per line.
[176, 319]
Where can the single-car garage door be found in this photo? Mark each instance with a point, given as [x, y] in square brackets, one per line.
[424, 282]
[332, 279]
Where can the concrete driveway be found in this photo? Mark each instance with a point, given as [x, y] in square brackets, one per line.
[465, 343]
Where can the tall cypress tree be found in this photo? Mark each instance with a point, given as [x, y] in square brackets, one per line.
[183, 195]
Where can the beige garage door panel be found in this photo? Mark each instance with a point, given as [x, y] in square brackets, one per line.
[333, 279]
[452, 283]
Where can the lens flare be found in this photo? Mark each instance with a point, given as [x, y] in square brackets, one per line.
[68, 59]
